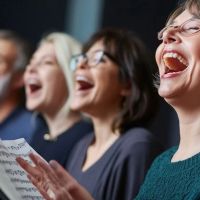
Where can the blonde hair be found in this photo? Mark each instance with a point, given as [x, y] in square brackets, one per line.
[65, 47]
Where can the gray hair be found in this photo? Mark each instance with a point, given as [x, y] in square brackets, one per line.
[23, 49]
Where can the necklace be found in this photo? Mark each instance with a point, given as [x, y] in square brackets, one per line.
[48, 137]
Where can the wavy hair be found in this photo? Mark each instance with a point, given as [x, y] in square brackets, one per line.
[134, 62]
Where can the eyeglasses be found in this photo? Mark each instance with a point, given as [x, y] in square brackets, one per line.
[187, 28]
[92, 59]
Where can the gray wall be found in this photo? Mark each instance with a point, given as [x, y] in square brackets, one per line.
[83, 18]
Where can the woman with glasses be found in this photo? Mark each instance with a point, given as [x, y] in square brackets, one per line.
[113, 86]
[176, 173]
[49, 84]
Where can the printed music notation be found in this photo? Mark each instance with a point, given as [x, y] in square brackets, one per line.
[7, 154]
[14, 182]
[17, 180]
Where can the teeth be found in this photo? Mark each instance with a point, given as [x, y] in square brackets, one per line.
[83, 78]
[32, 82]
[177, 56]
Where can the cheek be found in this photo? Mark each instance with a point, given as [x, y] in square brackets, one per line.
[158, 54]
[50, 77]
[58, 83]
[194, 50]
[27, 75]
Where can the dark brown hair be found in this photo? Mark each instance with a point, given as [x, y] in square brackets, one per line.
[134, 69]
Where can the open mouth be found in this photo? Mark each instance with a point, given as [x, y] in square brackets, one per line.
[174, 63]
[33, 86]
[83, 83]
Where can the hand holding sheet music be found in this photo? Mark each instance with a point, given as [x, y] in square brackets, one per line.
[14, 182]
[53, 181]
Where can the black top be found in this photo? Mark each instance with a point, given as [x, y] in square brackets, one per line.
[59, 149]
[118, 174]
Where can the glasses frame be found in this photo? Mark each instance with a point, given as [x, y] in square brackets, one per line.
[179, 28]
[87, 58]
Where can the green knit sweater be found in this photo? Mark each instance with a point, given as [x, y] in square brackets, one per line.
[172, 181]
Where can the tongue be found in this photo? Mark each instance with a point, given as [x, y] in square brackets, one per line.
[34, 87]
[174, 64]
[84, 85]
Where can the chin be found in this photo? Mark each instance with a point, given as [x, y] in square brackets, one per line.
[75, 107]
[164, 94]
[80, 107]
[32, 106]
[167, 93]
[171, 97]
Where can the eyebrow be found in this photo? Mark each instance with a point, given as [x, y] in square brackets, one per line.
[44, 57]
[192, 18]
[48, 56]
[98, 50]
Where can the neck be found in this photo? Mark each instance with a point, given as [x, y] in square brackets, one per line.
[189, 122]
[104, 139]
[189, 128]
[59, 123]
[102, 121]
[103, 131]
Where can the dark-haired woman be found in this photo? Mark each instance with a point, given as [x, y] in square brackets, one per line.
[113, 86]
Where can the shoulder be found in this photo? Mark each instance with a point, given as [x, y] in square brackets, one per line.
[160, 163]
[139, 135]
[21, 113]
[164, 157]
[83, 143]
[83, 125]
[138, 144]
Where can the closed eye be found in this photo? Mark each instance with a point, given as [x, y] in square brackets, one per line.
[48, 62]
[103, 59]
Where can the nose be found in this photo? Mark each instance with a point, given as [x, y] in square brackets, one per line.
[31, 67]
[83, 64]
[170, 35]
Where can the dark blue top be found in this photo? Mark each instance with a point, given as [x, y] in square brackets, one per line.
[60, 148]
[21, 124]
[118, 174]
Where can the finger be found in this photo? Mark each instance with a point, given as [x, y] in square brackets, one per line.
[23, 163]
[62, 194]
[70, 185]
[42, 165]
[60, 172]
[27, 167]
[65, 179]
[49, 192]
[49, 177]
[35, 158]
[49, 172]
[43, 192]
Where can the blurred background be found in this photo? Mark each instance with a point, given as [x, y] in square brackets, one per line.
[81, 18]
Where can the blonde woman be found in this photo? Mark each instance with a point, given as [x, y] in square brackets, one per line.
[49, 83]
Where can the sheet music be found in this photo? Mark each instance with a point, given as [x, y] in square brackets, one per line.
[14, 181]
